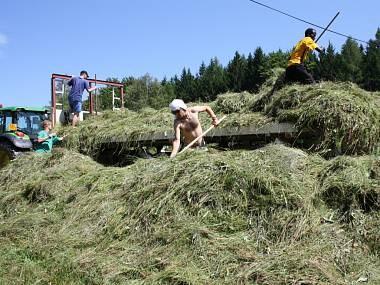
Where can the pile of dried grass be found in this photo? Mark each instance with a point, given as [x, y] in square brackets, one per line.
[237, 217]
[346, 117]
[129, 126]
[234, 102]
[351, 184]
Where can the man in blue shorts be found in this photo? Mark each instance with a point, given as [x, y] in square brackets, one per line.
[78, 85]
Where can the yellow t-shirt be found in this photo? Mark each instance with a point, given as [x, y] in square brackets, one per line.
[301, 50]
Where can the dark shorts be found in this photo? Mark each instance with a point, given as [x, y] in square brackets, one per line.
[298, 73]
[75, 106]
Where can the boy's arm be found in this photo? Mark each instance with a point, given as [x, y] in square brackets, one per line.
[88, 87]
[320, 49]
[57, 139]
[177, 140]
[41, 138]
[91, 89]
[312, 45]
[209, 111]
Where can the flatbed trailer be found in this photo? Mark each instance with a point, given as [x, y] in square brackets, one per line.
[217, 135]
[115, 149]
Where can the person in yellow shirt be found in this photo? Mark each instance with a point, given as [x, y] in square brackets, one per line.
[296, 70]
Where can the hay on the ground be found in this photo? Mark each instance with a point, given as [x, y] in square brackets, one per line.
[346, 118]
[237, 217]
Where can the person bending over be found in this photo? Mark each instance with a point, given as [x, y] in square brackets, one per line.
[186, 121]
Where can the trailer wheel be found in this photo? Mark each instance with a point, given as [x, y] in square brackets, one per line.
[7, 153]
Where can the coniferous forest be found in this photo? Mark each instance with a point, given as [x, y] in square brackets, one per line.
[353, 62]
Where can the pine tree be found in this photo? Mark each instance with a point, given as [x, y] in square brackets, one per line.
[235, 72]
[350, 62]
[278, 59]
[213, 81]
[249, 84]
[184, 87]
[371, 64]
[327, 69]
[199, 82]
[188, 86]
[260, 69]
[202, 69]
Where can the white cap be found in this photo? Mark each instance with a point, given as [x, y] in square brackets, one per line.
[177, 104]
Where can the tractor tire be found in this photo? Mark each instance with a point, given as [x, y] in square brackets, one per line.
[7, 153]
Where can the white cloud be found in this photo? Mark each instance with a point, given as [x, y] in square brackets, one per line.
[3, 39]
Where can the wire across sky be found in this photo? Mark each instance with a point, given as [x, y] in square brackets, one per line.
[307, 22]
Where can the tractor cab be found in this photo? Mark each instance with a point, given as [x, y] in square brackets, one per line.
[19, 128]
[22, 121]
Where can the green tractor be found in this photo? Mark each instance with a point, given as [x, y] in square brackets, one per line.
[19, 127]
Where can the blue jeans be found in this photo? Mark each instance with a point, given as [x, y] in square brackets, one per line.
[75, 106]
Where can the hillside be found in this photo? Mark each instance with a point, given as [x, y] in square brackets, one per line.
[272, 215]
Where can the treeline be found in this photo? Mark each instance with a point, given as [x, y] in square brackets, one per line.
[247, 73]
[241, 73]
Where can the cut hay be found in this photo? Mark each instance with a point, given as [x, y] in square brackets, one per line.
[275, 81]
[346, 118]
[237, 217]
[234, 102]
[128, 126]
[333, 118]
[351, 184]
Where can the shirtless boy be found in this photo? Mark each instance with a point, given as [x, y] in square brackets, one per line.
[187, 121]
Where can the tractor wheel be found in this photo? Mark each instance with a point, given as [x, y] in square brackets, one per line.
[7, 153]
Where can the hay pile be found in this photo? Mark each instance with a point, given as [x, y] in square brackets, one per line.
[125, 124]
[275, 215]
[340, 118]
[128, 126]
[234, 103]
[346, 117]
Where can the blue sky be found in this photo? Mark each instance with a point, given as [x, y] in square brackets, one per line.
[118, 38]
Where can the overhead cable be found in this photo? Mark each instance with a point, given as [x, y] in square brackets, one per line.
[307, 22]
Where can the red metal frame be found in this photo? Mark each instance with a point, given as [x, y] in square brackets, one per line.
[55, 76]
